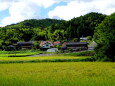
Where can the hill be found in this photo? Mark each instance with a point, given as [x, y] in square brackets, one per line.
[34, 23]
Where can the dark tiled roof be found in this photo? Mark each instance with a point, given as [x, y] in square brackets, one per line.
[75, 43]
[24, 43]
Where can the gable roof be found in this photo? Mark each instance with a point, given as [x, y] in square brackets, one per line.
[57, 43]
[92, 44]
[44, 42]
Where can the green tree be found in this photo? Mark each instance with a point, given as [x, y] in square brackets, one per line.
[105, 38]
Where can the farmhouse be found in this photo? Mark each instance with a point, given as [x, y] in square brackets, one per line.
[21, 45]
[44, 45]
[75, 46]
[25, 45]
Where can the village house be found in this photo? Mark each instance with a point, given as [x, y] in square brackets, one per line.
[75, 46]
[25, 45]
[21, 45]
[44, 45]
[57, 43]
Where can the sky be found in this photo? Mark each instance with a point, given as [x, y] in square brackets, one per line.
[14, 11]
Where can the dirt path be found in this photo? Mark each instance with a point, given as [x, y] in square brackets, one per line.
[53, 54]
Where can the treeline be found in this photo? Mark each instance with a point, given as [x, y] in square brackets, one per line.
[50, 29]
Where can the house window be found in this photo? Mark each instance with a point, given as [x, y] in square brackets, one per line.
[47, 45]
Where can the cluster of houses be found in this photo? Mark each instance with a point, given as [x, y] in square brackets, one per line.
[45, 45]
[51, 46]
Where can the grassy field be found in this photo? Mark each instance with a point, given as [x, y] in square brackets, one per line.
[58, 74]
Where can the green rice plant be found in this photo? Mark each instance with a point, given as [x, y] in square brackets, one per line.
[58, 74]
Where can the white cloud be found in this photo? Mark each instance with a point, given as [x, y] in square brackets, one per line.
[81, 7]
[43, 3]
[4, 5]
[20, 10]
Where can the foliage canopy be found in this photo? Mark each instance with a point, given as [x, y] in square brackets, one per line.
[105, 38]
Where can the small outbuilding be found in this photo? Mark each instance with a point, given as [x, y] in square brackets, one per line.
[11, 47]
[52, 50]
[92, 45]
[83, 38]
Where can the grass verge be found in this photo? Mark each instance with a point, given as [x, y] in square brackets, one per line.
[44, 59]
[21, 53]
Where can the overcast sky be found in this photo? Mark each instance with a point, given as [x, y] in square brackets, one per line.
[13, 11]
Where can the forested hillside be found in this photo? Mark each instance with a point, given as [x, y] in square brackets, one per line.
[50, 29]
[77, 27]
[34, 23]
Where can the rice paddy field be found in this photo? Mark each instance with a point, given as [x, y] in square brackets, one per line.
[58, 74]
[57, 70]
